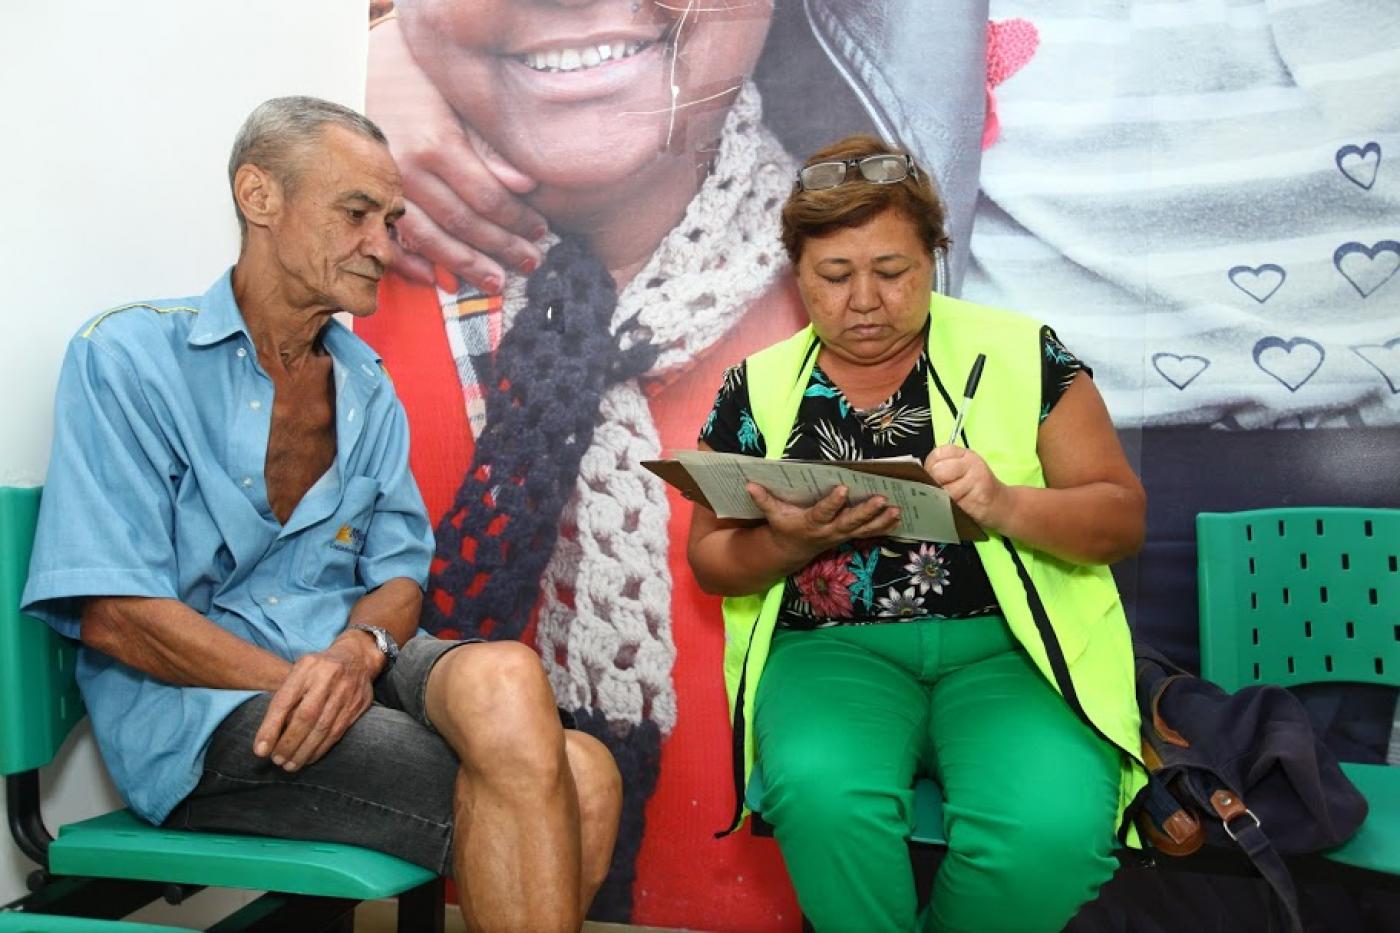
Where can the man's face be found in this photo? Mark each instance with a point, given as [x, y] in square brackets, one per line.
[334, 235]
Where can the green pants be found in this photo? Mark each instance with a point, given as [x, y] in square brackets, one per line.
[847, 717]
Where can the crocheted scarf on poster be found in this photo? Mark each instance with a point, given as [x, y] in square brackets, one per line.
[542, 403]
[604, 625]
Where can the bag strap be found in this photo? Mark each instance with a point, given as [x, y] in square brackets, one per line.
[1243, 827]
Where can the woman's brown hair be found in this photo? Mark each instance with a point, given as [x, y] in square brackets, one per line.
[854, 201]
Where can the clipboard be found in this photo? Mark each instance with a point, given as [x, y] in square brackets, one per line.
[675, 474]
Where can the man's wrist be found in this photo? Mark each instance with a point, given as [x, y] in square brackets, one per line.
[380, 642]
[363, 645]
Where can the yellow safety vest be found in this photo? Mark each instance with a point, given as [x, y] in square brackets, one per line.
[1067, 616]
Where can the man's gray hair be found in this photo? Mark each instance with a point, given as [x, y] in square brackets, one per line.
[277, 130]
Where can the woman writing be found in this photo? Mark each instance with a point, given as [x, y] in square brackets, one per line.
[856, 662]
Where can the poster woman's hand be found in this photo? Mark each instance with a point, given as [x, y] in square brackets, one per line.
[464, 213]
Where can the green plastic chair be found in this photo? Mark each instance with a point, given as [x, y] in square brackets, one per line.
[40, 704]
[1298, 596]
[15, 922]
[928, 809]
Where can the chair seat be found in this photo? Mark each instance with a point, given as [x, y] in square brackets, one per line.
[1376, 844]
[121, 845]
[928, 808]
[52, 923]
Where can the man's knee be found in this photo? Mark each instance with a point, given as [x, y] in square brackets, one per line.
[491, 679]
[496, 699]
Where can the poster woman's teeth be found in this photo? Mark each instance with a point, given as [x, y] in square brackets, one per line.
[589, 56]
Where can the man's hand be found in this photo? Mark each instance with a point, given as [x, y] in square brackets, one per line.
[806, 532]
[464, 213]
[322, 697]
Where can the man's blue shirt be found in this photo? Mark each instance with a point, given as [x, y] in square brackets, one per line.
[156, 488]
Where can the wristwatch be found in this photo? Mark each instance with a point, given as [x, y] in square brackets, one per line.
[383, 641]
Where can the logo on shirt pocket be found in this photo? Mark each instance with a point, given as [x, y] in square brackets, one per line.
[349, 539]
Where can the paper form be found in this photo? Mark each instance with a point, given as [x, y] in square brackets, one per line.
[925, 511]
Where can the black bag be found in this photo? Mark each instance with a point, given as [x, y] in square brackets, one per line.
[1242, 769]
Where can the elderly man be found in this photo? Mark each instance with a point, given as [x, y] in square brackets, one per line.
[231, 528]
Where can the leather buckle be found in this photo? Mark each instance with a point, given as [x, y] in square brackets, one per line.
[1228, 806]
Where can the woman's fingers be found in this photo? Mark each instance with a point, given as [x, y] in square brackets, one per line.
[463, 223]
[829, 521]
[470, 218]
[420, 235]
[884, 521]
[460, 166]
[869, 518]
[775, 510]
[508, 175]
[947, 463]
[970, 482]
[410, 264]
[826, 510]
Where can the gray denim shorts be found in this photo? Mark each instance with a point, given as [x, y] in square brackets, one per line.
[386, 785]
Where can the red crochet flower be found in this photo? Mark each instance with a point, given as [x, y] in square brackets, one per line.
[825, 584]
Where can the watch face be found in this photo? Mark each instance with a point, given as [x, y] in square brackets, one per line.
[382, 640]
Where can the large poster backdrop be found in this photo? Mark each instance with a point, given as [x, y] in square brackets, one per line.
[1196, 195]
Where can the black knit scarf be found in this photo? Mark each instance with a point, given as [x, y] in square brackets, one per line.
[543, 390]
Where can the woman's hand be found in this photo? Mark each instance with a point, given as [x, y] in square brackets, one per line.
[733, 557]
[803, 533]
[967, 479]
[464, 213]
[1092, 509]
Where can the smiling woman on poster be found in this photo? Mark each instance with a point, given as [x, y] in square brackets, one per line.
[618, 235]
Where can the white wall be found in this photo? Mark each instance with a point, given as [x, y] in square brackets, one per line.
[117, 122]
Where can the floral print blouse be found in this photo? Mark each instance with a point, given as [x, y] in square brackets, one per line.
[876, 579]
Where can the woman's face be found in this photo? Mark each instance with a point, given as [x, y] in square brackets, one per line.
[579, 94]
[867, 288]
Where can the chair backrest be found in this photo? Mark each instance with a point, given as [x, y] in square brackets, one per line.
[39, 700]
[1299, 595]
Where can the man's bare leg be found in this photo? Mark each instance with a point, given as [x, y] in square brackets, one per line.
[599, 787]
[518, 838]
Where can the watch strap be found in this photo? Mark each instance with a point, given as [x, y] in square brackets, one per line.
[382, 640]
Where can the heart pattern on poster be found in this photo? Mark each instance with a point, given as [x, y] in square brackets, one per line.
[1291, 362]
[1180, 371]
[1360, 164]
[1258, 282]
[1367, 268]
[1385, 359]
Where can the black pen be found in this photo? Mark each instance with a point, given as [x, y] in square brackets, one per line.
[971, 390]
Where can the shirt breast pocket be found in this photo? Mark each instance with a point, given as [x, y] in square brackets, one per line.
[331, 549]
